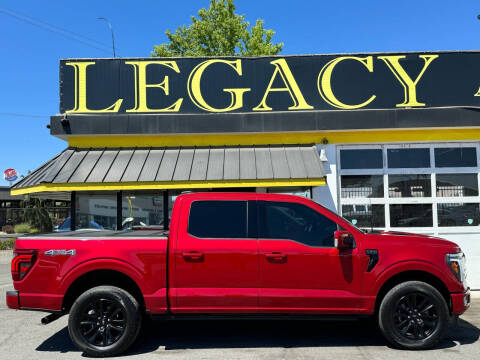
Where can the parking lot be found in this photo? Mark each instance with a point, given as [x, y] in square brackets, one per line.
[23, 337]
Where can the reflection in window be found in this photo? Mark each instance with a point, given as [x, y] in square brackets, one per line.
[365, 215]
[449, 185]
[361, 159]
[297, 222]
[456, 157]
[411, 215]
[459, 214]
[362, 186]
[142, 211]
[408, 158]
[96, 211]
[409, 186]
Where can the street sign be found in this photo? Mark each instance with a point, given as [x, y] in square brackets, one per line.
[10, 175]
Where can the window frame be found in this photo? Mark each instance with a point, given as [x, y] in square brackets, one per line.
[432, 171]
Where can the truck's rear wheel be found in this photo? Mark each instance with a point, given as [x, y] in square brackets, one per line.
[104, 321]
[413, 315]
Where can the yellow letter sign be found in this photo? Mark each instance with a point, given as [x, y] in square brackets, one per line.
[81, 91]
[195, 93]
[409, 86]
[324, 82]
[140, 68]
[291, 86]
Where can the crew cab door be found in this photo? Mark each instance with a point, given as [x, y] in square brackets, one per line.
[300, 268]
[216, 260]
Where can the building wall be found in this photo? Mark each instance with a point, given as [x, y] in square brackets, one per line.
[440, 201]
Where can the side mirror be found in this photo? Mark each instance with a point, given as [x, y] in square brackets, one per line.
[344, 240]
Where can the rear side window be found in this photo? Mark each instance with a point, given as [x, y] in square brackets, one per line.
[218, 219]
[297, 222]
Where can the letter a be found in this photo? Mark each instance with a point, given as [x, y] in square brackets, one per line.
[291, 86]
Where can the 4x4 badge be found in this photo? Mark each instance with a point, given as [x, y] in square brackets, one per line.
[60, 252]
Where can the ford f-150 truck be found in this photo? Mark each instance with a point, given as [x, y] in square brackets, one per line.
[240, 254]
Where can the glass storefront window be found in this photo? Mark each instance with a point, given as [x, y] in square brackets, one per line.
[423, 180]
[142, 210]
[400, 186]
[96, 211]
[458, 214]
[450, 185]
[408, 158]
[365, 215]
[456, 157]
[361, 159]
[411, 215]
[362, 186]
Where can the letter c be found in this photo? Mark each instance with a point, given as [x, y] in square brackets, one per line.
[324, 82]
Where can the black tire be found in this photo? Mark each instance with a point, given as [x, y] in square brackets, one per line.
[104, 321]
[414, 316]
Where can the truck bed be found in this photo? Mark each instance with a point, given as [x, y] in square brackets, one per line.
[64, 257]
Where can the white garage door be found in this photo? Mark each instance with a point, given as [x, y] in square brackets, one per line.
[428, 188]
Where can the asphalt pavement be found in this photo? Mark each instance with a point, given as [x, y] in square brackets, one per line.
[23, 337]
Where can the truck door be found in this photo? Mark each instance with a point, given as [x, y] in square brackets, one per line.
[216, 259]
[300, 268]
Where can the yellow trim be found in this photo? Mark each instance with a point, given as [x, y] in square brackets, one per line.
[158, 185]
[344, 137]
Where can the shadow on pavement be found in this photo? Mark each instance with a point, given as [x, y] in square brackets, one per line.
[218, 334]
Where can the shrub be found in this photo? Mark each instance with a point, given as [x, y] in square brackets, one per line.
[22, 228]
[8, 229]
[33, 230]
[7, 244]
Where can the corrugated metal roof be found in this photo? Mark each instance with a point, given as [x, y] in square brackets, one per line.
[75, 165]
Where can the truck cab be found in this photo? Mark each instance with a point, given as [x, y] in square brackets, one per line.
[241, 254]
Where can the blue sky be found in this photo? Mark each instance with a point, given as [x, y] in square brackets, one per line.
[30, 54]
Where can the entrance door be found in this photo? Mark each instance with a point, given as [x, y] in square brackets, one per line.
[216, 262]
[300, 269]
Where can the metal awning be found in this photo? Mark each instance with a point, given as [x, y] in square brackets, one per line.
[77, 169]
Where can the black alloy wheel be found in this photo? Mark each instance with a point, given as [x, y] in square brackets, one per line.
[413, 315]
[104, 321]
[416, 316]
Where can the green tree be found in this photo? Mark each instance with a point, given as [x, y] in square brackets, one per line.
[36, 215]
[219, 31]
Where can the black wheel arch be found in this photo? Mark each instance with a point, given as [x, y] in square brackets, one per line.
[101, 277]
[413, 275]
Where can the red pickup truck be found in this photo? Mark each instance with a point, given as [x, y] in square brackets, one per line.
[240, 254]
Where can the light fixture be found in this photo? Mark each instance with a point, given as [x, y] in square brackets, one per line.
[323, 155]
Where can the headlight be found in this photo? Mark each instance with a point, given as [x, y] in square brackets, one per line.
[456, 263]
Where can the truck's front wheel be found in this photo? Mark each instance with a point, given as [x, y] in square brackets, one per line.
[104, 321]
[413, 315]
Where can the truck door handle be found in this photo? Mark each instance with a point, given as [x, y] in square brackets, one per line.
[276, 257]
[193, 256]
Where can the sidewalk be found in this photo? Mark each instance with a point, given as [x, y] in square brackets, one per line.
[5, 256]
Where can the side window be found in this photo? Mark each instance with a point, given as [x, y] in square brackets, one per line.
[218, 219]
[297, 222]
